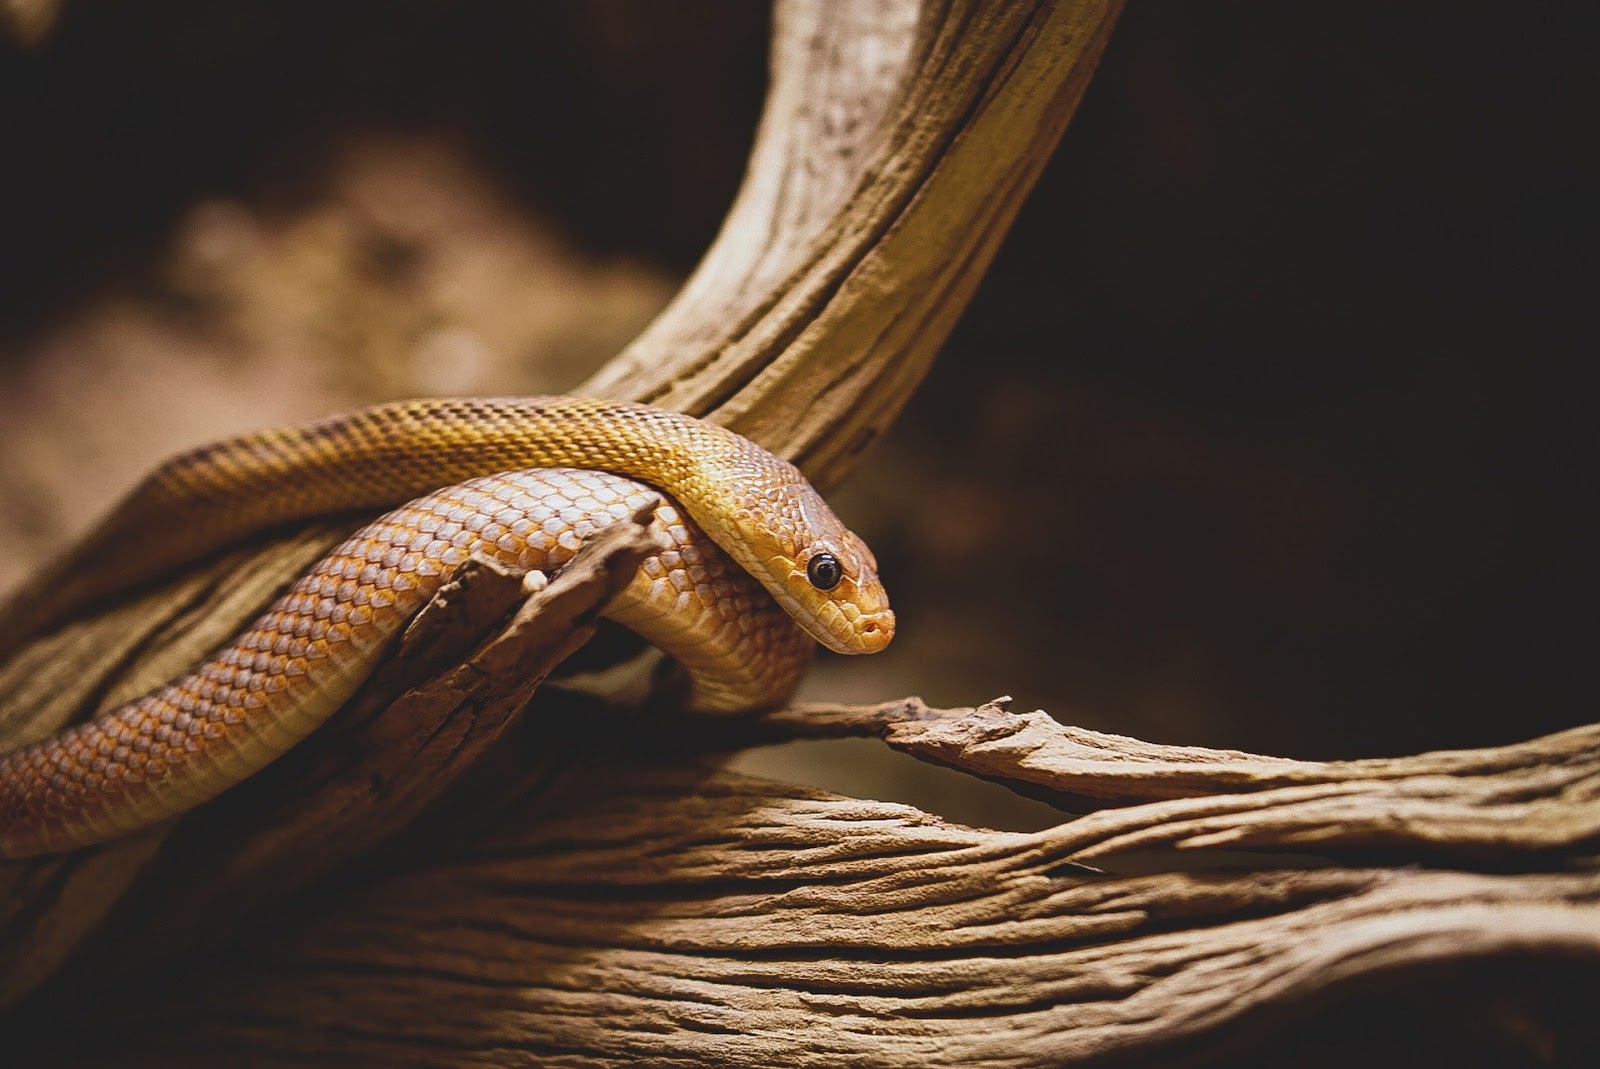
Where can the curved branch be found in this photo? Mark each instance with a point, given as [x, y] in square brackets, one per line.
[898, 143]
[595, 891]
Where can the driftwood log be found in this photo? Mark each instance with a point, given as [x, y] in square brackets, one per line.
[597, 890]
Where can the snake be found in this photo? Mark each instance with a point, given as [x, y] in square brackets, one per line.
[754, 569]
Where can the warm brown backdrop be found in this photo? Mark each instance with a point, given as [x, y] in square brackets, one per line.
[1266, 431]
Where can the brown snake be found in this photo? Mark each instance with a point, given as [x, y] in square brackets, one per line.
[286, 673]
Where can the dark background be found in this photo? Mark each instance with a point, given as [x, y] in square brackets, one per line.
[1268, 430]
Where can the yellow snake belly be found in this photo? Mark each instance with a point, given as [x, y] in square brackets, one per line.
[264, 691]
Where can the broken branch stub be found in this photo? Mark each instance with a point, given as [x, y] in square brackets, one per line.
[411, 731]
[1530, 804]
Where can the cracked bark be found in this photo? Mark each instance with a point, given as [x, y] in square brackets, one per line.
[597, 891]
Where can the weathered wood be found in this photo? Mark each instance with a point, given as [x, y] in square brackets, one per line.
[898, 143]
[423, 720]
[48, 906]
[1510, 804]
[415, 726]
[638, 904]
[590, 889]
[679, 916]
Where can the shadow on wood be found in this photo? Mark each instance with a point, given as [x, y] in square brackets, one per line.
[564, 884]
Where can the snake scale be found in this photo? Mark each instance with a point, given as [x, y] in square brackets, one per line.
[754, 566]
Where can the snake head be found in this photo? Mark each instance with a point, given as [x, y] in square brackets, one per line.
[821, 573]
[783, 533]
[843, 603]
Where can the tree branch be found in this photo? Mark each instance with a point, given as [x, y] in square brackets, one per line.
[646, 912]
[597, 892]
[898, 142]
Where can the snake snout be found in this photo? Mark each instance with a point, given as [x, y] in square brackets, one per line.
[863, 628]
[874, 631]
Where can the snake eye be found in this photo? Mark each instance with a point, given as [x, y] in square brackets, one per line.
[824, 571]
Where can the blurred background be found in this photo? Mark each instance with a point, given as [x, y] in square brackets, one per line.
[1266, 431]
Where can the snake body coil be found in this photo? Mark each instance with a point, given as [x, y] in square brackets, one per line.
[277, 681]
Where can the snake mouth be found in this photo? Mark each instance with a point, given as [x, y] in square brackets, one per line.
[867, 632]
[874, 631]
[844, 628]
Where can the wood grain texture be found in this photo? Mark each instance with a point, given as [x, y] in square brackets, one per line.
[898, 142]
[1540, 797]
[442, 703]
[442, 881]
[684, 916]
